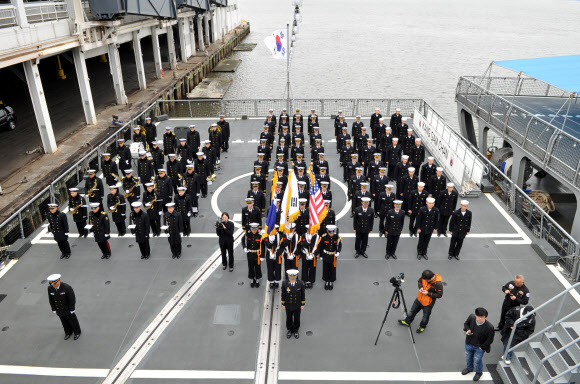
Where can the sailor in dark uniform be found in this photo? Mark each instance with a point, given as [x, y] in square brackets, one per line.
[225, 128]
[131, 186]
[258, 196]
[300, 164]
[62, 301]
[183, 206]
[459, 227]
[315, 135]
[264, 149]
[174, 229]
[349, 162]
[77, 207]
[328, 249]
[164, 187]
[157, 155]
[303, 192]
[374, 121]
[298, 136]
[403, 127]
[290, 248]
[446, 202]
[293, 301]
[252, 245]
[417, 154]
[94, 188]
[364, 218]
[193, 141]
[393, 158]
[324, 192]
[384, 143]
[282, 150]
[250, 214]
[378, 183]
[385, 204]
[118, 209]
[427, 222]
[101, 229]
[303, 217]
[395, 121]
[408, 141]
[437, 183]
[394, 227]
[361, 141]
[308, 246]
[343, 138]
[140, 226]
[320, 163]
[58, 226]
[169, 141]
[124, 156]
[427, 170]
[110, 169]
[263, 164]
[145, 168]
[274, 257]
[284, 127]
[330, 218]
[359, 195]
[297, 149]
[417, 200]
[366, 154]
[202, 168]
[191, 182]
[380, 131]
[318, 148]
[354, 187]
[153, 207]
[409, 185]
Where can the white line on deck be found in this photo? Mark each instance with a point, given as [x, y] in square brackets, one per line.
[564, 282]
[7, 267]
[185, 374]
[511, 221]
[52, 371]
[378, 376]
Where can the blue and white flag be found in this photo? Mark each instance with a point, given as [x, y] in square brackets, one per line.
[277, 43]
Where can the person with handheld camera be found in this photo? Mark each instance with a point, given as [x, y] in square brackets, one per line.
[430, 289]
[224, 228]
[479, 337]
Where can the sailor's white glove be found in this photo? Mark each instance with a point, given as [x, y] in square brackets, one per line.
[272, 237]
[54, 312]
[71, 209]
[246, 250]
[337, 254]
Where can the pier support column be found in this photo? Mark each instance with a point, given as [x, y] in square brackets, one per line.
[20, 12]
[115, 67]
[214, 25]
[206, 27]
[139, 61]
[191, 34]
[39, 104]
[200, 44]
[156, 52]
[171, 48]
[84, 86]
[183, 27]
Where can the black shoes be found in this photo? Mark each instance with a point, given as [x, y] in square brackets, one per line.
[252, 284]
[449, 257]
[77, 336]
[445, 234]
[66, 337]
[387, 256]
[356, 255]
[497, 329]
[330, 286]
[296, 335]
[477, 377]
[257, 284]
[365, 255]
[456, 257]
[380, 234]
[62, 256]
[276, 285]
[289, 334]
[104, 257]
[466, 371]
[394, 256]
[425, 257]
[142, 257]
[326, 286]
[272, 285]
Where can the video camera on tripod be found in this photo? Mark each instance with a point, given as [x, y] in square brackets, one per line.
[395, 301]
[396, 281]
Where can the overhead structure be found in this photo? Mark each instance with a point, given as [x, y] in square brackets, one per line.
[114, 9]
[202, 5]
[220, 3]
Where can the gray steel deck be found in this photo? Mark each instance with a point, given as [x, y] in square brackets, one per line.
[118, 299]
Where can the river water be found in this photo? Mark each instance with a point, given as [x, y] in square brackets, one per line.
[398, 49]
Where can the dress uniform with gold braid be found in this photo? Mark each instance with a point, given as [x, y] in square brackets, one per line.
[290, 249]
[164, 187]
[446, 202]
[110, 170]
[330, 219]
[293, 299]
[437, 183]
[427, 222]
[101, 228]
[174, 229]
[80, 218]
[96, 185]
[130, 181]
[417, 200]
[328, 248]
[58, 226]
[169, 141]
[157, 156]
[116, 203]
[308, 246]
[62, 301]
[183, 206]
[203, 169]
[386, 203]
[252, 245]
[191, 182]
[258, 196]
[274, 257]
[459, 226]
[249, 216]
[141, 231]
[174, 171]
[364, 217]
[145, 168]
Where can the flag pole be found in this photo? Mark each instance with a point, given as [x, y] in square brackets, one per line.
[288, 66]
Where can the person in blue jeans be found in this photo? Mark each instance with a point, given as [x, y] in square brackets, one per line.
[479, 336]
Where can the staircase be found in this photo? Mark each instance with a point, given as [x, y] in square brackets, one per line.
[551, 355]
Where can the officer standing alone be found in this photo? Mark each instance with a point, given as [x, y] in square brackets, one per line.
[459, 227]
[58, 225]
[62, 302]
[363, 221]
[293, 301]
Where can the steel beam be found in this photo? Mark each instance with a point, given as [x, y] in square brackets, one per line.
[20, 12]
[117, 75]
[84, 86]
[139, 61]
[39, 104]
[156, 52]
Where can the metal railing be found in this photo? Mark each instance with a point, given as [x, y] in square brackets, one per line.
[518, 86]
[39, 12]
[437, 133]
[30, 217]
[260, 107]
[554, 149]
[555, 322]
[7, 16]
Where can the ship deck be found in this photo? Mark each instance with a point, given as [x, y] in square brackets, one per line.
[219, 330]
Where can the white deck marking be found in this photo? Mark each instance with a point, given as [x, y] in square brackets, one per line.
[265, 331]
[237, 217]
[185, 374]
[511, 221]
[7, 267]
[471, 235]
[564, 281]
[52, 371]
[378, 376]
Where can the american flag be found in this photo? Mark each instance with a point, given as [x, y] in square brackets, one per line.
[317, 207]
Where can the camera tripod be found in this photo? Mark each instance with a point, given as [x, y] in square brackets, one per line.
[395, 302]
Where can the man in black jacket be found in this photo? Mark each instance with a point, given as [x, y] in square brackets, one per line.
[117, 208]
[140, 228]
[293, 301]
[417, 200]
[395, 121]
[459, 227]
[94, 188]
[523, 330]
[479, 336]
[157, 155]
[62, 301]
[225, 127]
[110, 169]
[58, 225]
[164, 187]
[154, 208]
[437, 183]
[124, 154]
[101, 229]
[446, 202]
[430, 289]
[516, 293]
[174, 229]
[183, 206]
[150, 129]
[427, 222]
[384, 205]
[193, 140]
